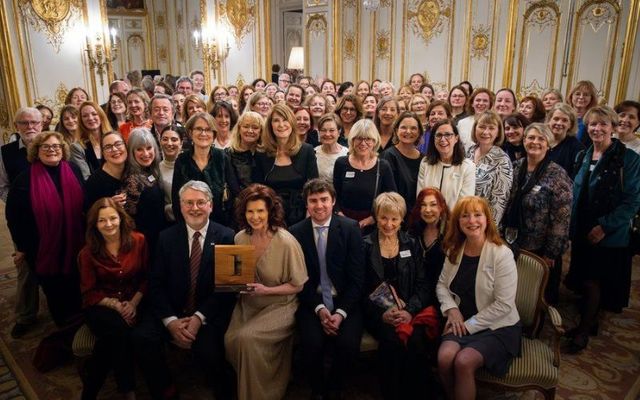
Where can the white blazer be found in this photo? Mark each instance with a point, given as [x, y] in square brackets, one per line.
[454, 181]
[496, 285]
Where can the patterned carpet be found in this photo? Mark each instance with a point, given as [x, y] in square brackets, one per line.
[609, 369]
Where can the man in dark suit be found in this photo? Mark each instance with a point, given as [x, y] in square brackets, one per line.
[13, 160]
[329, 311]
[182, 305]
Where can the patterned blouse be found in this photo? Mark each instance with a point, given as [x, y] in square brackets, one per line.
[546, 211]
[494, 176]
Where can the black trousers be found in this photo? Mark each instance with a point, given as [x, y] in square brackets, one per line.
[149, 339]
[315, 344]
[113, 351]
[63, 297]
[403, 369]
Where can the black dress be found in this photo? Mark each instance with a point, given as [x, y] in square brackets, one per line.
[100, 184]
[405, 174]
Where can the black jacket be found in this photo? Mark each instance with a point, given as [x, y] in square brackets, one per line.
[345, 262]
[412, 284]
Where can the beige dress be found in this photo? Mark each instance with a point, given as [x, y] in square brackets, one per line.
[259, 340]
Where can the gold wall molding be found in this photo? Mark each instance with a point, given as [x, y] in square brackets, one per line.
[160, 20]
[480, 41]
[596, 14]
[54, 18]
[539, 16]
[349, 45]
[240, 81]
[316, 26]
[507, 72]
[349, 3]
[9, 79]
[627, 51]
[533, 88]
[316, 3]
[383, 44]
[427, 17]
[56, 103]
[240, 15]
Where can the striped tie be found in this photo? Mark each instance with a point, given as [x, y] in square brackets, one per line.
[194, 267]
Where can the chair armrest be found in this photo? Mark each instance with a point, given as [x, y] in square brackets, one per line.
[556, 321]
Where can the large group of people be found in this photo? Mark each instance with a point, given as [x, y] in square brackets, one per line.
[399, 213]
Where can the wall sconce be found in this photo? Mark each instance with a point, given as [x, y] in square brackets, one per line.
[96, 52]
[209, 41]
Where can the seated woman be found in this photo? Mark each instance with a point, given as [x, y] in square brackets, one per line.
[427, 225]
[113, 267]
[44, 216]
[259, 340]
[539, 211]
[445, 166]
[477, 292]
[395, 258]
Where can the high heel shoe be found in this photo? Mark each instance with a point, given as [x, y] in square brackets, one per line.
[577, 344]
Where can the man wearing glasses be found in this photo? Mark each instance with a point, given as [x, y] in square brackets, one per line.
[13, 160]
[284, 80]
[183, 307]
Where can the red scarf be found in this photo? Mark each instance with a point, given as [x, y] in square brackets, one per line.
[427, 317]
[58, 219]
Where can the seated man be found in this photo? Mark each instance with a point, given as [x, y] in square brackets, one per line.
[183, 306]
[329, 310]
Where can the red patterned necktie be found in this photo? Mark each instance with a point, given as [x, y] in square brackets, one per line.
[194, 267]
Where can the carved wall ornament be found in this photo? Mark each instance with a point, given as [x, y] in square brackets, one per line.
[56, 103]
[480, 41]
[240, 15]
[533, 88]
[181, 53]
[160, 21]
[383, 44]
[316, 24]
[4, 115]
[162, 54]
[54, 18]
[598, 13]
[349, 3]
[385, 3]
[240, 82]
[316, 3]
[180, 20]
[349, 45]
[542, 15]
[427, 17]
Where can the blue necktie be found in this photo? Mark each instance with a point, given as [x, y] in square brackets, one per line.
[325, 282]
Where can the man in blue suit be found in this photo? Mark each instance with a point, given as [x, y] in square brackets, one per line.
[329, 311]
[182, 305]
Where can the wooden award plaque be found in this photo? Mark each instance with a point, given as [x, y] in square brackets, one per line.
[233, 267]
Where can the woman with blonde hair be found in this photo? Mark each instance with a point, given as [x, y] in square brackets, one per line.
[582, 97]
[138, 112]
[550, 97]
[284, 163]
[563, 121]
[477, 292]
[86, 153]
[361, 176]
[245, 139]
[259, 102]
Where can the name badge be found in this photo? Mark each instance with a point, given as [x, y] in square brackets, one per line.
[536, 188]
[350, 174]
[405, 253]
[151, 178]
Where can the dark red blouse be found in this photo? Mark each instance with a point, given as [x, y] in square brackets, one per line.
[121, 279]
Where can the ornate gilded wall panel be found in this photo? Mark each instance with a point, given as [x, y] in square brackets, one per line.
[239, 16]
[539, 48]
[316, 44]
[427, 40]
[53, 18]
[383, 34]
[594, 43]
[349, 38]
[481, 37]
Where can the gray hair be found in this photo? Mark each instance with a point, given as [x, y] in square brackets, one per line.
[28, 111]
[184, 79]
[147, 84]
[142, 137]
[544, 130]
[196, 185]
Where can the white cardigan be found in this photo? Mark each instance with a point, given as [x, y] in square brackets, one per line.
[458, 181]
[496, 285]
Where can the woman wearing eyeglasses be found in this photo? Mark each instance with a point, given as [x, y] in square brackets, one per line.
[208, 164]
[349, 110]
[361, 176]
[445, 166]
[44, 215]
[107, 181]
